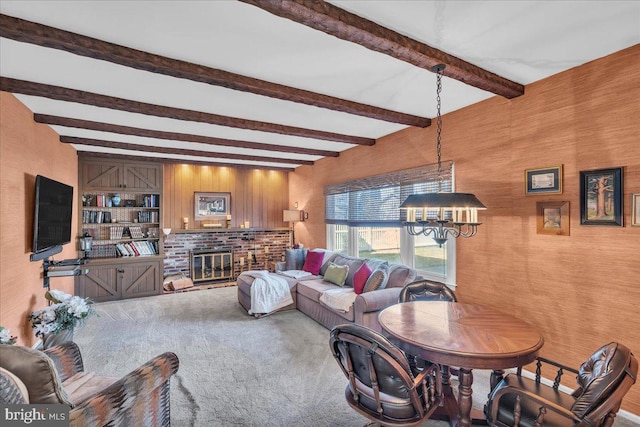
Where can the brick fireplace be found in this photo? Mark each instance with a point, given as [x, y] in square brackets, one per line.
[266, 246]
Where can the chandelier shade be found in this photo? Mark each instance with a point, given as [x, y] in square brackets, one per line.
[443, 200]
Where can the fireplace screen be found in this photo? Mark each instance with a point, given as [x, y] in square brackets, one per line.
[211, 264]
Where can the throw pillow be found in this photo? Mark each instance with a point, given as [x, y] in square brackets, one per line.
[378, 279]
[37, 371]
[360, 278]
[353, 263]
[336, 274]
[328, 257]
[294, 258]
[313, 262]
[12, 389]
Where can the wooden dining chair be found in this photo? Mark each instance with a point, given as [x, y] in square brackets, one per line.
[603, 380]
[382, 386]
[428, 290]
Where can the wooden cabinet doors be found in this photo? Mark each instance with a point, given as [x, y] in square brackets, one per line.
[99, 284]
[142, 177]
[103, 175]
[114, 282]
[100, 175]
[140, 279]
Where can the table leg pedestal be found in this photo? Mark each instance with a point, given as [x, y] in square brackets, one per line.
[464, 396]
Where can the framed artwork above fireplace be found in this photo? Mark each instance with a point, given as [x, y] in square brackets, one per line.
[211, 205]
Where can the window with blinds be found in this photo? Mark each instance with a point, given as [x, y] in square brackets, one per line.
[375, 201]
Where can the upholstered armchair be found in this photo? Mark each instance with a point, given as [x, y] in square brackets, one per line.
[381, 384]
[603, 380]
[57, 375]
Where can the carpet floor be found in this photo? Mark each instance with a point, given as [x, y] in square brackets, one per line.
[235, 370]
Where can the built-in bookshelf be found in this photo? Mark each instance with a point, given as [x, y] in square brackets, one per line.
[130, 229]
[121, 208]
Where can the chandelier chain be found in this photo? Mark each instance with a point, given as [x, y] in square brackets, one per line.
[439, 69]
[441, 215]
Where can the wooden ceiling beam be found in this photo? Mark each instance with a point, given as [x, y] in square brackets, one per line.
[180, 161]
[176, 151]
[345, 25]
[43, 35]
[89, 98]
[174, 136]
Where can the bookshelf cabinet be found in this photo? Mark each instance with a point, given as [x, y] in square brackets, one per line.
[127, 253]
[118, 229]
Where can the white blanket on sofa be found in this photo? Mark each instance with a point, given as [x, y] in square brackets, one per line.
[340, 299]
[268, 292]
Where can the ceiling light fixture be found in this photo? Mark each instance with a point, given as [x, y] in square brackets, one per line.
[441, 215]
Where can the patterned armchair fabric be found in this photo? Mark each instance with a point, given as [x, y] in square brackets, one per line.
[140, 398]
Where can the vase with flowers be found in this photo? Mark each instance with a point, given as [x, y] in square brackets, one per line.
[6, 337]
[55, 323]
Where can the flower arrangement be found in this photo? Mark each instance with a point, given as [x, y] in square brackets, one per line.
[6, 337]
[66, 312]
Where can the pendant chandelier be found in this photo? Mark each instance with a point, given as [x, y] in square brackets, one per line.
[442, 215]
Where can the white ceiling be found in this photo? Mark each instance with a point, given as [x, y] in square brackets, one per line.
[523, 41]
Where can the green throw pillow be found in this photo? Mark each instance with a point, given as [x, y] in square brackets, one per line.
[336, 274]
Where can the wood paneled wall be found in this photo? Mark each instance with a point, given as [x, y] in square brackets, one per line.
[583, 290]
[258, 196]
[27, 149]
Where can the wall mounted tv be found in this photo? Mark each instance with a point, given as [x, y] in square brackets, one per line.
[52, 216]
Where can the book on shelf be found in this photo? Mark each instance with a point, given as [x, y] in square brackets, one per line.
[116, 232]
[148, 216]
[122, 250]
[95, 217]
[136, 232]
[136, 248]
[151, 201]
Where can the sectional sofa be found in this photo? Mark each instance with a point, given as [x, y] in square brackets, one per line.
[307, 291]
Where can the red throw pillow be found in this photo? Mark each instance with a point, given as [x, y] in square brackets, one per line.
[313, 262]
[360, 278]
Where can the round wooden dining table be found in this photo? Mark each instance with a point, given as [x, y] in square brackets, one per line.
[466, 336]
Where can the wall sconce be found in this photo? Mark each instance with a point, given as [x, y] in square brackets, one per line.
[166, 231]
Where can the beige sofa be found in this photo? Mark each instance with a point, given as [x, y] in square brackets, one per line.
[306, 293]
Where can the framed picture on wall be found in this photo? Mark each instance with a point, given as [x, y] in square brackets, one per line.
[601, 197]
[635, 209]
[553, 218]
[211, 206]
[543, 180]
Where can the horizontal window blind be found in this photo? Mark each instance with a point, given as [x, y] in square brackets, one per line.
[375, 201]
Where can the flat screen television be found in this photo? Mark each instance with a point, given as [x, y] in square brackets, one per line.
[52, 215]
